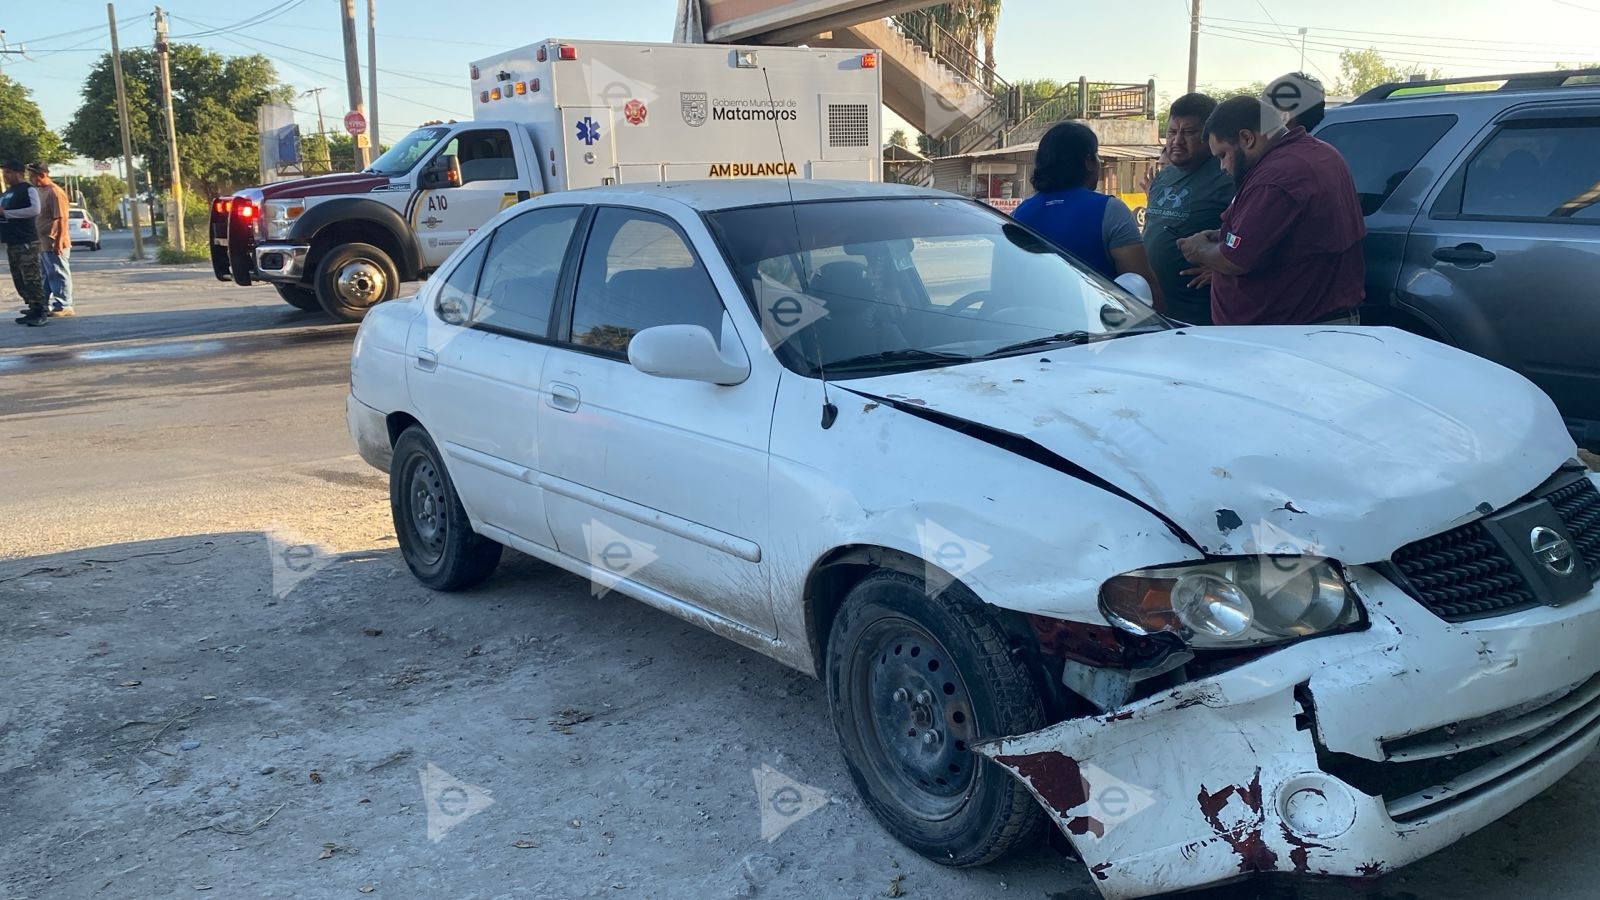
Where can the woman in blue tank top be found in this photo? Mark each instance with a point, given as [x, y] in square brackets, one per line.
[1097, 228]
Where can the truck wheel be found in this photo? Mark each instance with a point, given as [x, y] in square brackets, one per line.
[913, 681]
[353, 278]
[299, 297]
[432, 528]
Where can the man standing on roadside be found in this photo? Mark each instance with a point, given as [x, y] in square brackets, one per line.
[1186, 197]
[19, 207]
[1288, 251]
[55, 239]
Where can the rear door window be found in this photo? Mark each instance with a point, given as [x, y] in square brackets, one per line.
[1538, 169]
[1382, 152]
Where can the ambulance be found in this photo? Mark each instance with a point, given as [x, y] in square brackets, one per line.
[552, 116]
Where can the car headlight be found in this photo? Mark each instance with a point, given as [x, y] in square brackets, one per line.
[1233, 603]
[278, 216]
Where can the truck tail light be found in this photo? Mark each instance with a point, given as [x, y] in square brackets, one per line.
[869, 60]
[494, 94]
[522, 88]
[534, 85]
[483, 96]
[568, 52]
[221, 205]
[541, 56]
[246, 210]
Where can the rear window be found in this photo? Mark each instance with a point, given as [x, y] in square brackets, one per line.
[1382, 152]
[1536, 170]
[76, 214]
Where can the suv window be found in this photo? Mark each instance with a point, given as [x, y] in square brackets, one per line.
[638, 272]
[1536, 169]
[1382, 152]
[518, 286]
[484, 155]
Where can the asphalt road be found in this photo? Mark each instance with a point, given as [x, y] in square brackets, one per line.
[173, 677]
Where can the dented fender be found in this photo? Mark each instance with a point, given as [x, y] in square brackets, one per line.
[1222, 777]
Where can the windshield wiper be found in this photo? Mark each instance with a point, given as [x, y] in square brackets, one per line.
[891, 357]
[1065, 337]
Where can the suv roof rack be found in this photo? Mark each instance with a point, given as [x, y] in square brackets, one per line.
[1521, 81]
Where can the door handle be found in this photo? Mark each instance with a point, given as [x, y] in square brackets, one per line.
[563, 397]
[427, 360]
[1464, 255]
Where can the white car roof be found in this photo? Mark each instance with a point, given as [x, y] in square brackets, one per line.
[710, 195]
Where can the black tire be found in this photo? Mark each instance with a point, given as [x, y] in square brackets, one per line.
[435, 536]
[353, 278]
[95, 246]
[901, 665]
[299, 297]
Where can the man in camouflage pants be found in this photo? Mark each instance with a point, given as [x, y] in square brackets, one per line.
[19, 208]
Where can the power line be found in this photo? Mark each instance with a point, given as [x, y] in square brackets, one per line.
[1428, 37]
[1289, 41]
[257, 19]
[433, 81]
[1407, 51]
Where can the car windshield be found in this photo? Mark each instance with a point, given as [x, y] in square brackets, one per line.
[403, 157]
[859, 287]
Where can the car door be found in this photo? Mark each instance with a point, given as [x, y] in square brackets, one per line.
[655, 481]
[492, 179]
[477, 353]
[1508, 254]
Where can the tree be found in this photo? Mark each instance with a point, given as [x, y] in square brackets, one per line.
[898, 138]
[23, 135]
[214, 102]
[102, 196]
[967, 22]
[1362, 70]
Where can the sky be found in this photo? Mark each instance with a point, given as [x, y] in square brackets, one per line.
[425, 46]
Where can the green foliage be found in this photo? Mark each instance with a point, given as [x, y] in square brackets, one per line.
[1362, 70]
[899, 138]
[214, 102]
[102, 196]
[168, 255]
[23, 135]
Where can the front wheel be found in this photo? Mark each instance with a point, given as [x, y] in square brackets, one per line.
[353, 278]
[299, 297]
[913, 681]
[435, 536]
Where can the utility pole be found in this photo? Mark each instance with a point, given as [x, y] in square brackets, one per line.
[6, 50]
[372, 74]
[352, 75]
[1303, 31]
[1194, 43]
[322, 128]
[127, 143]
[175, 217]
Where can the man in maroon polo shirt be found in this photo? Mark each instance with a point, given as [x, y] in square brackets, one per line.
[1289, 249]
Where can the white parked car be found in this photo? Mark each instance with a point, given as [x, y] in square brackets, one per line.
[1213, 601]
[82, 229]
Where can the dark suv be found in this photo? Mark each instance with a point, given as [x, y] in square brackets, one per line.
[1482, 198]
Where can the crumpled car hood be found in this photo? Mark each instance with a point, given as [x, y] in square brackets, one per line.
[1346, 443]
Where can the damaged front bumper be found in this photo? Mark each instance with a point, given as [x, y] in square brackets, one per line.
[1346, 755]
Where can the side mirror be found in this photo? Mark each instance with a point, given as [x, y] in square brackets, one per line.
[444, 172]
[687, 352]
[1136, 285]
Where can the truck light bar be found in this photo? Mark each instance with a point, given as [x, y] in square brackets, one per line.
[474, 73]
[869, 60]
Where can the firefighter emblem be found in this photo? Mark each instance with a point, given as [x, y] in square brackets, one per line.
[635, 112]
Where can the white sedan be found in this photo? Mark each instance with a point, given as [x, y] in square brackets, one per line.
[1212, 601]
[82, 229]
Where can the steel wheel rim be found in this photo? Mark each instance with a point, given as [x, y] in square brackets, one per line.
[914, 718]
[426, 505]
[361, 282]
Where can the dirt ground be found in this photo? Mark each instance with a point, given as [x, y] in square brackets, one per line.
[221, 681]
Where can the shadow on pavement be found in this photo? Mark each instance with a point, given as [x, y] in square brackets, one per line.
[63, 334]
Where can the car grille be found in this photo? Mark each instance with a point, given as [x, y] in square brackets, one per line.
[1426, 774]
[1465, 574]
[1578, 504]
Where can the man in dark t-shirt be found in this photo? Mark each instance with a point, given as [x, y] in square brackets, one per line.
[1288, 250]
[1186, 197]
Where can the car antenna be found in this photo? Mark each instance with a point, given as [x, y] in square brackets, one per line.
[829, 411]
